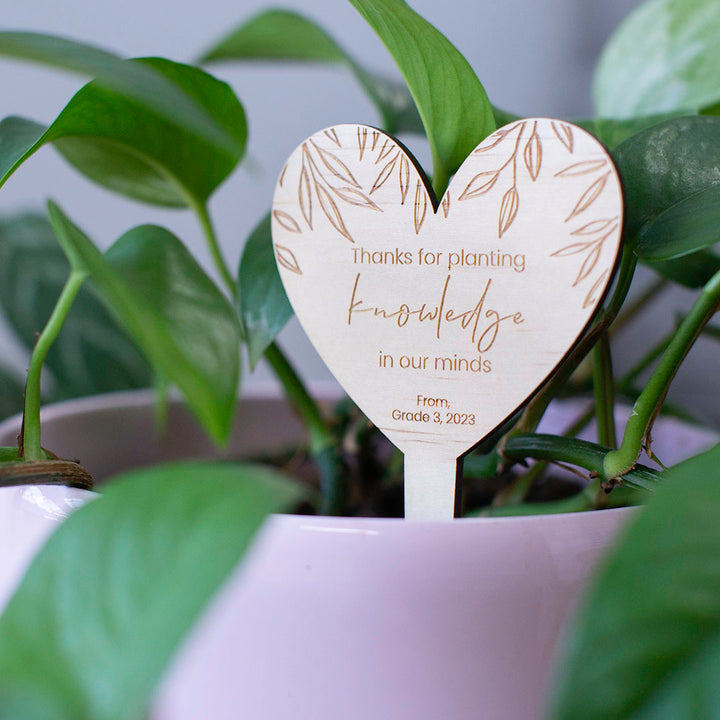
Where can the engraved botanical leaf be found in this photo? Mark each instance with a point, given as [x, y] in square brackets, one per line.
[404, 177]
[573, 249]
[384, 174]
[362, 134]
[331, 211]
[375, 137]
[595, 226]
[332, 135]
[589, 196]
[286, 258]
[355, 197]
[588, 263]
[287, 221]
[582, 168]
[420, 209]
[532, 155]
[508, 210]
[480, 184]
[282, 175]
[591, 297]
[335, 165]
[498, 136]
[305, 196]
[446, 204]
[385, 150]
[564, 134]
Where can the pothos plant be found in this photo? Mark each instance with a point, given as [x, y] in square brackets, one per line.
[169, 134]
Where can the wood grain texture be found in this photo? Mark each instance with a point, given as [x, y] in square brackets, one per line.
[440, 320]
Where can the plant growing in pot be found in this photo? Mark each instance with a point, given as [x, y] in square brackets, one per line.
[102, 584]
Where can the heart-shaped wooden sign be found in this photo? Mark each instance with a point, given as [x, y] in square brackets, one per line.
[440, 322]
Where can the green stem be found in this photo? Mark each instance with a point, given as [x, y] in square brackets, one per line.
[203, 217]
[648, 405]
[30, 441]
[322, 440]
[604, 388]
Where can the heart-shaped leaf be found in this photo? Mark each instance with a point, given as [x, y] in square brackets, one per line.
[175, 313]
[452, 102]
[263, 304]
[647, 641]
[139, 82]
[663, 57]
[106, 603]
[127, 147]
[664, 165]
[91, 354]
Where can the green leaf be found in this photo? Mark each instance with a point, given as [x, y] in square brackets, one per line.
[690, 225]
[173, 311]
[261, 298]
[647, 641]
[664, 165]
[92, 354]
[613, 132]
[663, 57]
[136, 81]
[107, 601]
[8, 454]
[128, 148]
[283, 35]
[452, 103]
[692, 271]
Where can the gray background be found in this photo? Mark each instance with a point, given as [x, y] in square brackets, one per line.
[534, 58]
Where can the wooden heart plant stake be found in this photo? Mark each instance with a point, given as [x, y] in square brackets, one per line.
[440, 322]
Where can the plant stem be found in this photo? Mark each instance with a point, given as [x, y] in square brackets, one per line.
[648, 405]
[30, 440]
[604, 388]
[203, 217]
[322, 440]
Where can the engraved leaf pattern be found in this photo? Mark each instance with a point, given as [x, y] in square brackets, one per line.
[287, 221]
[573, 249]
[588, 264]
[305, 196]
[564, 134]
[362, 134]
[331, 211]
[335, 165]
[355, 197]
[532, 155]
[582, 168]
[446, 204]
[508, 210]
[591, 297]
[482, 183]
[500, 135]
[333, 136]
[281, 179]
[384, 174]
[385, 150]
[404, 177]
[286, 258]
[420, 206]
[595, 226]
[589, 196]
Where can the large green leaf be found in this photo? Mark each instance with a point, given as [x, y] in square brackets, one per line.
[289, 36]
[690, 225]
[663, 57]
[175, 313]
[452, 103]
[647, 642]
[107, 601]
[91, 354]
[665, 164]
[127, 147]
[140, 82]
[692, 271]
[261, 298]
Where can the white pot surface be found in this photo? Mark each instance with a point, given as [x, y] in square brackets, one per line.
[341, 618]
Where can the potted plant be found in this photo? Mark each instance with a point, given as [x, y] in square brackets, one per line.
[92, 628]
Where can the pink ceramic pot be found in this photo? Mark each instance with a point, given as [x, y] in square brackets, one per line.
[341, 618]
